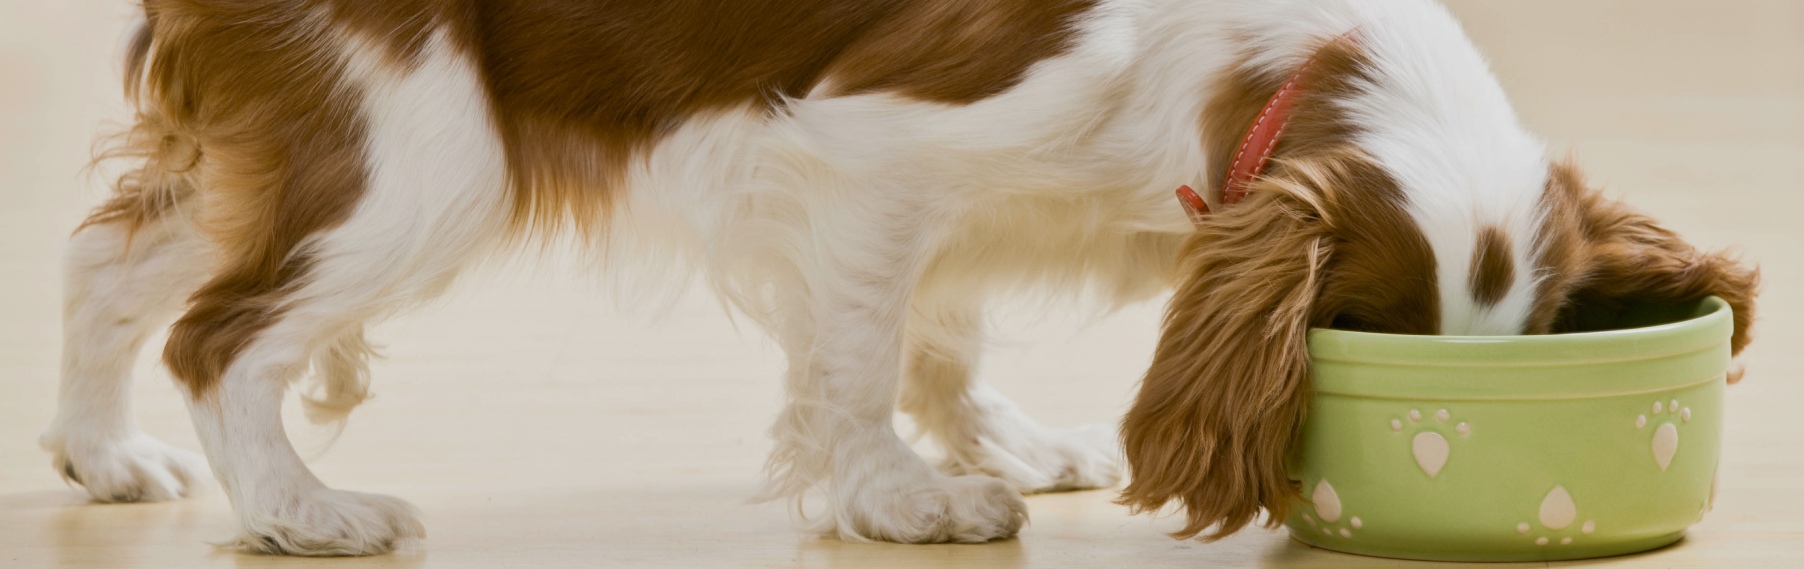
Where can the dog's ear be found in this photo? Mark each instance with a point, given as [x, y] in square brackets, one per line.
[1626, 258]
[1223, 401]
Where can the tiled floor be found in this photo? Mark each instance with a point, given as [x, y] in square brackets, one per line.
[538, 426]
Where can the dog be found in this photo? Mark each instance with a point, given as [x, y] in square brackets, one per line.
[856, 177]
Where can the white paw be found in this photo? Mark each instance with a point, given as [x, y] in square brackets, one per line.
[325, 523]
[1037, 459]
[134, 468]
[963, 509]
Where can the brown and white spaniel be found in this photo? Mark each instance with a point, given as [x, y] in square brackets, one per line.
[855, 175]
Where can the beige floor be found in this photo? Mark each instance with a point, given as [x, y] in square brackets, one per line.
[538, 426]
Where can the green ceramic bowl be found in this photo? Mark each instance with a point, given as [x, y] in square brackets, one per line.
[1518, 447]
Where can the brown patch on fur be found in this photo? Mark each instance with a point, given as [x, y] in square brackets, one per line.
[580, 87]
[1493, 270]
[145, 193]
[1323, 238]
[1599, 256]
[1382, 276]
[956, 51]
[246, 105]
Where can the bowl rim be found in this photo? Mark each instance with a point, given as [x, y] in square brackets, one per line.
[1551, 367]
[1709, 328]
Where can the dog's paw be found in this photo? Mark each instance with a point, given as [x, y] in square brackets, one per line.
[133, 468]
[962, 509]
[329, 523]
[1035, 459]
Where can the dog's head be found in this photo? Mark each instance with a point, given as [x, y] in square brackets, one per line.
[1350, 229]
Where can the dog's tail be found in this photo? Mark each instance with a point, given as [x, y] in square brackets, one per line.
[157, 175]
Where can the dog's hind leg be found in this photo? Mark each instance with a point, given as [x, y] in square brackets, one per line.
[980, 430]
[427, 195]
[125, 274]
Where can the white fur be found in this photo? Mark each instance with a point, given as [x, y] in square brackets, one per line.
[863, 232]
[856, 204]
[118, 290]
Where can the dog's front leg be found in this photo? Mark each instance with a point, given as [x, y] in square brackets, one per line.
[841, 319]
[980, 429]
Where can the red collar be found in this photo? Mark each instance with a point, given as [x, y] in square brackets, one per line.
[1256, 149]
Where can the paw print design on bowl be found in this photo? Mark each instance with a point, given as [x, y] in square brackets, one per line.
[1666, 436]
[1429, 446]
[1557, 513]
[1326, 503]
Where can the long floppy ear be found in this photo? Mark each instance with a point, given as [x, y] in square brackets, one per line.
[1223, 401]
[1626, 258]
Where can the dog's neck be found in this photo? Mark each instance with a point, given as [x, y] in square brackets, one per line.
[1255, 150]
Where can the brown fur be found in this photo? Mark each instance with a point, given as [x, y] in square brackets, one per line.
[1242, 92]
[244, 101]
[1601, 255]
[580, 87]
[1493, 269]
[144, 194]
[1217, 409]
[244, 106]
[1382, 277]
[977, 49]
[1323, 236]
[571, 124]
